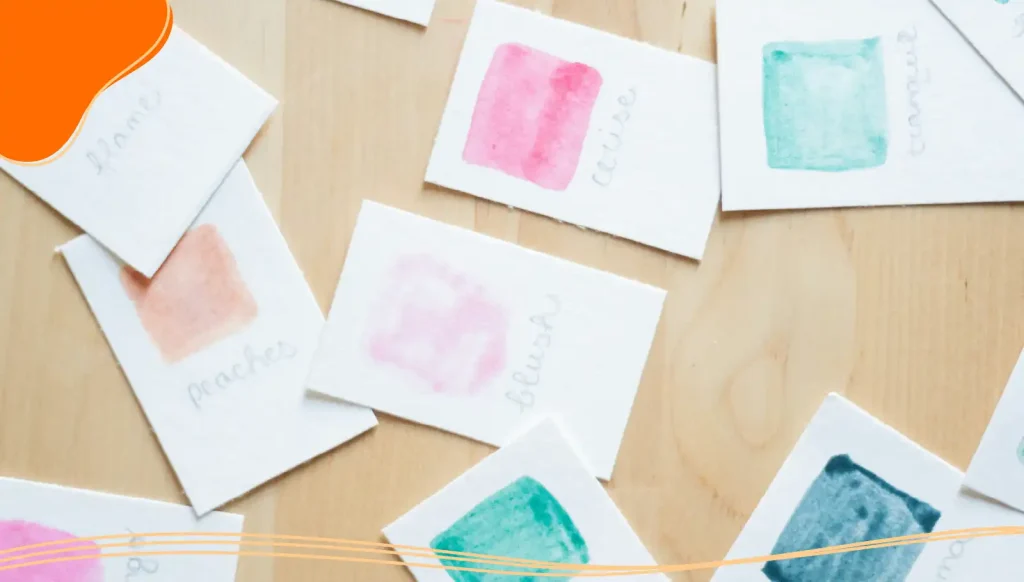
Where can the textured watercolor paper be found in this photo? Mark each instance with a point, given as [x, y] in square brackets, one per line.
[850, 478]
[997, 469]
[860, 103]
[477, 336]
[153, 148]
[996, 29]
[415, 11]
[534, 499]
[992, 559]
[583, 126]
[37, 513]
[217, 347]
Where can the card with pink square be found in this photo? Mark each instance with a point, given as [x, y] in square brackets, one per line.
[582, 126]
[477, 336]
[217, 346]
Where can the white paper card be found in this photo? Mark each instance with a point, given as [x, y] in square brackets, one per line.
[582, 126]
[997, 469]
[849, 479]
[36, 513]
[477, 336]
[218, 346]
[996, 29]
[860, 103]
[534, 499]
[153, 148]
[992, 559]
[415, 11]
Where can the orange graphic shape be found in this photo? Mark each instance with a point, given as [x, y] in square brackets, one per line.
[197, 298]
[57, 56]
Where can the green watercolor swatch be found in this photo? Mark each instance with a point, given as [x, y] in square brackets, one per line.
[523, 520]
[825, 105]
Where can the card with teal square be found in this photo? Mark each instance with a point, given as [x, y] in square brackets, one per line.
[523, 520]
[825, 105]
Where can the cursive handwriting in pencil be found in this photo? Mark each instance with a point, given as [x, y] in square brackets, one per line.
[609, 152]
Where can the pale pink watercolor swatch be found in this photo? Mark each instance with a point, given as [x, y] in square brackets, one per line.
[532, 115]
[17, 534]
[439, 326]
[197, 298]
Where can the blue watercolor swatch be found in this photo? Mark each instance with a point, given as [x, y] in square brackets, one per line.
[848, 504]
[825, 106]
[523, 520]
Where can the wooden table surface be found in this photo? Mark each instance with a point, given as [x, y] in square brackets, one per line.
[916, 314]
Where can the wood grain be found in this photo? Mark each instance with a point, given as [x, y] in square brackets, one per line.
[916, 314]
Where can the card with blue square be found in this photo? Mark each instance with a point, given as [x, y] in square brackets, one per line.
[825, 105]
[846, 504]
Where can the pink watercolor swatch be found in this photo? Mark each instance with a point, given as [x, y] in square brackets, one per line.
[17, 534]
[197, 298]
[440, 326]
[532, 115]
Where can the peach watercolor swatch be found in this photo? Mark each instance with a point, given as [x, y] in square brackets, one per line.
[532, 115]
[17, 534]
[439, 325]
[197, 298]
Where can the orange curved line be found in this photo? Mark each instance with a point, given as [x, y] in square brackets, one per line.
[155, 47]
[599, 570]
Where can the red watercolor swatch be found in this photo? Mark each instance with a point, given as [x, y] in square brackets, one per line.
[18, 534]
[197, 298]
[532, 115]
[439, 326]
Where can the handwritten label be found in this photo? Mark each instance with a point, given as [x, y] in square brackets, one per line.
[956, 551]
[139, 566]
[916, 79]
[1018, 26]
[528, 377]
[102, 155]
[254, 364]
[609, 153]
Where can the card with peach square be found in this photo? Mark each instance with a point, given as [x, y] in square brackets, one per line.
[97, 534]
[582, 126]
[479, 337]
[217, 346]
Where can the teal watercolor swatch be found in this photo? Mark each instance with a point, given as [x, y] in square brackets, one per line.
[825, 105]
[523, 521]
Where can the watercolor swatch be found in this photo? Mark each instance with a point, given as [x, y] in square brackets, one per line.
[37, 513]
[532, 115]
[197, 298]
[582, 126]
[523, 520]
[849, 479]
[847, 504]
[152, 150]
[853, 103]
[477, 336]
[534, 499]
[824, 105]
[217, 347]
